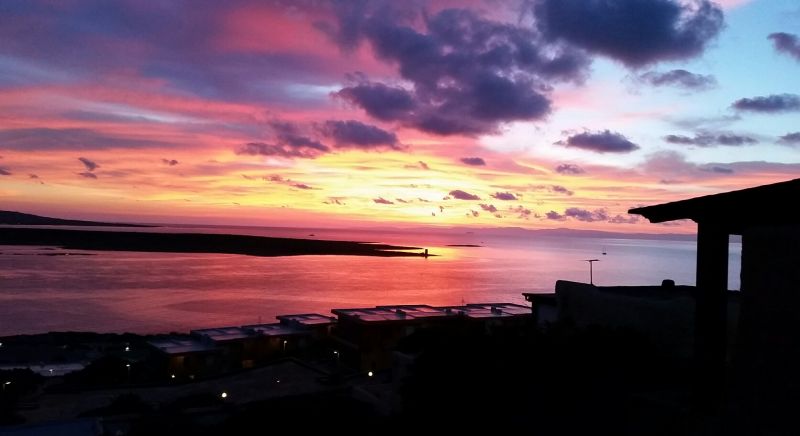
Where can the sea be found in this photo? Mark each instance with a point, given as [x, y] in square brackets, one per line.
[46, 289]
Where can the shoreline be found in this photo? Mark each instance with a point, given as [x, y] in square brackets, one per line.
[198, 243]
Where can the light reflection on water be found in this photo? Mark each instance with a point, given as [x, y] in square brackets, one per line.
[161, 292]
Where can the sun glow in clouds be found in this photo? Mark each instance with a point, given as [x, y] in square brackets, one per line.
[395, 114]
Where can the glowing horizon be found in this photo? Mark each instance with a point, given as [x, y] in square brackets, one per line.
[441, 113]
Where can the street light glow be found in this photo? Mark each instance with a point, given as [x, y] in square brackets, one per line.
[224, 395]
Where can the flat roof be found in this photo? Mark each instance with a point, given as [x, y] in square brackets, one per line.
[180, 345]
[418, 310]
[308, 319]
[406, 312]
[734, 209]
[274, 329]
[373, 314]
[222, 334]
[509, 308]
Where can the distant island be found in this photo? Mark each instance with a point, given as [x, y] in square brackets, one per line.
[195, 243]
[8, 217]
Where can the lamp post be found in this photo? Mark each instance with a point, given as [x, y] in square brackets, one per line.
[6, 384]
[591, 261]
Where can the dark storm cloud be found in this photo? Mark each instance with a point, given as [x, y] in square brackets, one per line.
[634, 32]
[600, 142]
[786, 43]
[555, 216]
[170, 162]
[791, 138]
[474, 161]
[680, 78]
[466, 74]
[488, 207]
[461, 195]
[381, 200]
[4, 172]
[39, 139]
[570, 169]
[88, 175]
[383, 102]
[355, 134]
[505, 196]
[586, 215]
[710, 139]
[769, 104]
[89, 164]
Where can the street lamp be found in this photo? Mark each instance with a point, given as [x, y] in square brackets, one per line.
[591, 261]
[284, 345]
[6, 384]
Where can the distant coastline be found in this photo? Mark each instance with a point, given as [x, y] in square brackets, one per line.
[8, 217]
[196, 243]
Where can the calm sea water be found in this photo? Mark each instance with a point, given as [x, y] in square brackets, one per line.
[163, 292]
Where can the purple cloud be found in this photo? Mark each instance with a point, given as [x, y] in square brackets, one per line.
[627, 219]
[474, 161]
[521, 212]
[786, 43]
[355, 134]
[88, 175]
[769, 104]
[716, 169]
[36, 139]
[586, 215]
[555, 216]
[561, 189]
[505, 196]
[461, 195]
[420, 165]
[170, 162]
[457, 66]
[280, 150]
[600, 142]
[4, 172]
[634, 32]
[680, 78]
[570, 169]
[488, 207]
[89, 164]
[791, 138]
[381, 200]
[284, 181]
[709, 139]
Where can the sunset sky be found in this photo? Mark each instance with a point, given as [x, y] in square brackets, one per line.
[535, 114]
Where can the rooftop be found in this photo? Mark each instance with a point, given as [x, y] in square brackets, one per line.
[408, 312]
[274, 329]
[222, 334]
[308, 319]
[727, 208]
[180, 345]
